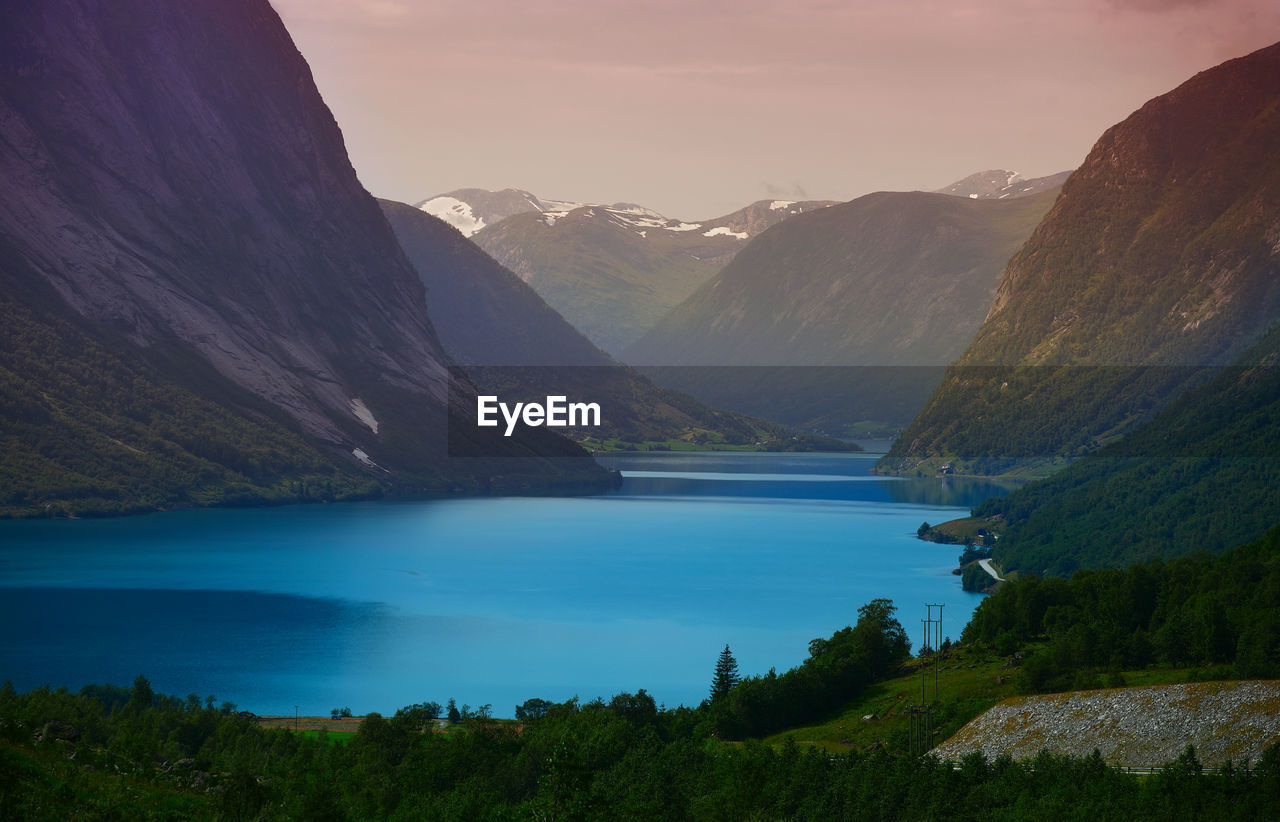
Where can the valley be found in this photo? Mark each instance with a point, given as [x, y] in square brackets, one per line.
[595, 525]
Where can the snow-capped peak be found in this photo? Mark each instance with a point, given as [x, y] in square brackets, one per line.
[561, 205]
[454, 212]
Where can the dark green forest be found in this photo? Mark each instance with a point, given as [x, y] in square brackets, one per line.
[87, 432]
[1202, 475]
[114, 753]
[837, 670]
[1219, 613]
[110, 752]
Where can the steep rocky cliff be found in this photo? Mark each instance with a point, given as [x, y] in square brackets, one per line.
[172, 183]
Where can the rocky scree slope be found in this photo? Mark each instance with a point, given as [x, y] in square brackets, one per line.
[1136, 727]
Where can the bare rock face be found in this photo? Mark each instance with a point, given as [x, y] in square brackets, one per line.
[171, 180]
[172, 172]
[1135, 727]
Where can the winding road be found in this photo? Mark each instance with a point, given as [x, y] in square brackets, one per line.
[986, 566]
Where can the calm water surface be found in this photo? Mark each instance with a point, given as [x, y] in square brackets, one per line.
[378, 605]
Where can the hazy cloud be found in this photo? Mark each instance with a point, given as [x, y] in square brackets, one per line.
[678, 105]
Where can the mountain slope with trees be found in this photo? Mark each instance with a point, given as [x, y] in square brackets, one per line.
[1197, 610]
[1202, 475]
[885, 290]
[1161, 252]
[613, 271]
[511, 342]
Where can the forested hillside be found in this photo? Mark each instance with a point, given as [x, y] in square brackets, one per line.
[111, 750]
[1157, 260]
[844, 314]
[89, 432]
[1209, 611]
[1200, 476]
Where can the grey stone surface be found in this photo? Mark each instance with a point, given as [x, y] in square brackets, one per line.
[1137, 727]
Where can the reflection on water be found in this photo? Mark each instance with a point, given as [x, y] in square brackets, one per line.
[790, 476]
[181, 636]
[962, 492]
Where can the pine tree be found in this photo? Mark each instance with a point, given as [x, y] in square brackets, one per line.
[726, 675]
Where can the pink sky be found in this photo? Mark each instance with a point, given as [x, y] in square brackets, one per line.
[698, 108]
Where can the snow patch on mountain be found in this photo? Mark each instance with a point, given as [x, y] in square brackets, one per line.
[638, 210]
[363, 414]
[725, 230]
[561, 205]
[454, 212]
[779, 205]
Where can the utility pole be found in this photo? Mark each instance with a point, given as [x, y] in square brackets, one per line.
[921, 715]
[937, 641]
[924, 678]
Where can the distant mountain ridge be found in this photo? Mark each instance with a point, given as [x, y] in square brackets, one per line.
[998, 184]
[895, 281]
[613, 271]
[1161, 251]
[869, 282]
[484, 314]
[471, 209]
[510, 340]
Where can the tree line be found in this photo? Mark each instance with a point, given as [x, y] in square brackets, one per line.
[1218, 612]
[119, 753]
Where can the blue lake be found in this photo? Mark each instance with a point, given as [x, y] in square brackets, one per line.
[492, 601]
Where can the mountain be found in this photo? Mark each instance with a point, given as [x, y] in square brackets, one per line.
[1157, 262]
[883, 290]
[179, 220]
[999, 184]
[1200, 476]
[471, 209]
[484, 314]
[512, 343]
[613, 271]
